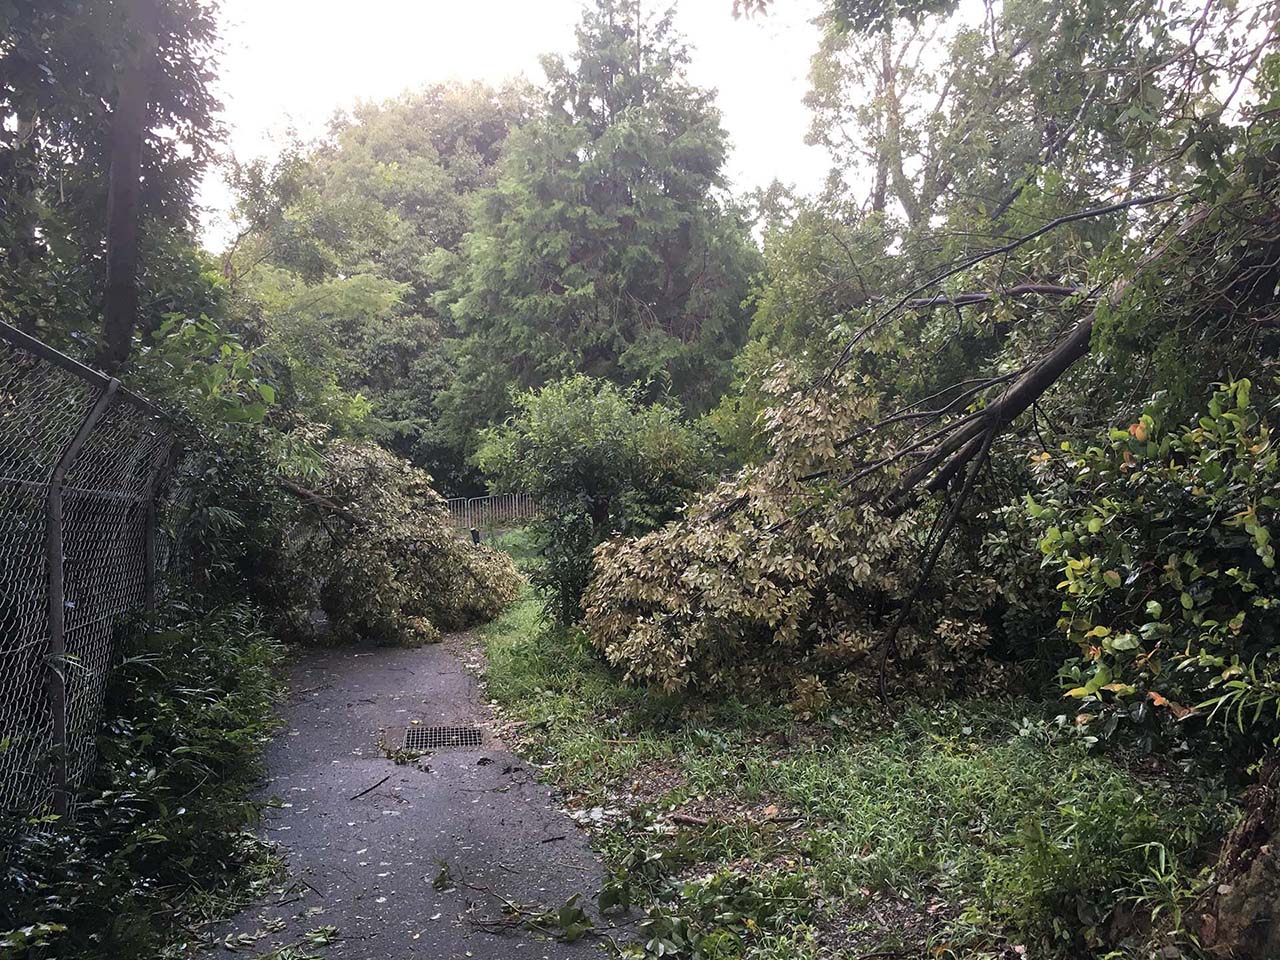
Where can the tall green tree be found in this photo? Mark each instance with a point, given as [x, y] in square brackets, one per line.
[607, 246]
[106, 104]
[349, 241]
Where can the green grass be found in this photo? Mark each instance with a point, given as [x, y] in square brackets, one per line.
[517, 541]
[961, 827]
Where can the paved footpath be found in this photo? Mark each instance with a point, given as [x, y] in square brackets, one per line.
[363, 834]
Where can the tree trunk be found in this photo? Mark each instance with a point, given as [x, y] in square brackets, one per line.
[124, 191]
[1238, 916]
[600, 515]
[880, 191]
[24, 249]
[891, 149]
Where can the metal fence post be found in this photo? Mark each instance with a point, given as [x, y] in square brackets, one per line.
[149, 533]
[56, 678]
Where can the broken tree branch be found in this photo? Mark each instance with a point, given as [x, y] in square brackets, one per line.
[971, 261]
[950, 455]
[318, 500]
[985, 296]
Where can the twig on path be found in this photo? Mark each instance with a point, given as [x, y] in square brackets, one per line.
[371, 789]
[518, 915]
[688, 820]
[552, 839]
[571, 866]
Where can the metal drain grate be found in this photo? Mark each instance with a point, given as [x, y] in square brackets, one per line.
[441, 738]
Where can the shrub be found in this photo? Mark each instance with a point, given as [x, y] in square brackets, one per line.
[565, 539]
[383, 561]
[768, 575]
[602, 463]
[1163, 537]
[165, 821]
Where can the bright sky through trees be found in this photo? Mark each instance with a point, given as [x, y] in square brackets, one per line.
[294, 62]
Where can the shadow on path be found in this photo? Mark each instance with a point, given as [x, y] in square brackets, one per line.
[362, 834]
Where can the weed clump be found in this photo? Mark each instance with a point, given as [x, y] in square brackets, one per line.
[164, 831]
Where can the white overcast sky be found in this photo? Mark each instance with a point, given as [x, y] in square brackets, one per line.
[292, 63]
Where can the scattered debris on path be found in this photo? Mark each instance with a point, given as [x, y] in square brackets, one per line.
[365, 824]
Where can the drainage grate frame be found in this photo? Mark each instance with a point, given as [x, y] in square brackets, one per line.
[442, 738]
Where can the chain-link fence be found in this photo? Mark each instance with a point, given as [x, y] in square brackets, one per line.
[81, 464]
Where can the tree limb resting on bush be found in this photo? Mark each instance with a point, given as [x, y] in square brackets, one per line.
[307, 495]
[960, 445]
[964, 445]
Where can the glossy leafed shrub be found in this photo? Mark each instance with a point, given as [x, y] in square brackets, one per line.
[1164, 540]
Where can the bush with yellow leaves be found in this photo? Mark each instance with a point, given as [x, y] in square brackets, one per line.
[769, 577]
[381, 559]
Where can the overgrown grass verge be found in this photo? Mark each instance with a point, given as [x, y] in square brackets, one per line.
[965, 829]
[163, 839]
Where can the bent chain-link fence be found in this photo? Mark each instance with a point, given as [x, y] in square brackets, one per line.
[81, 464]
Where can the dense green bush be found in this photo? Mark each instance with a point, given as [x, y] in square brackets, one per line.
[165, 824]
[1163, 538]
[602, 462]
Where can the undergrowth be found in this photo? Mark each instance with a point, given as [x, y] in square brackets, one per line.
[946, 829]
[162, 839]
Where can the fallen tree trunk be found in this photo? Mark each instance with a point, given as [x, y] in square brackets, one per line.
[955, 450]
[310, 496]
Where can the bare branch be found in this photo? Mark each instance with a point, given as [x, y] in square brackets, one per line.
[971, 261]
[985, 296]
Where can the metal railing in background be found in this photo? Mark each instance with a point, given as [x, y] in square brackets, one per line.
[500, 510]
[82, 461]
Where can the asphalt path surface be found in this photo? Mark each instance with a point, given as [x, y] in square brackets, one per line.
[364, 836]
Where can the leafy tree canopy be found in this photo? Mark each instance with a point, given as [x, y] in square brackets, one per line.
[59, 64]
[606, 247]
[348, 241]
